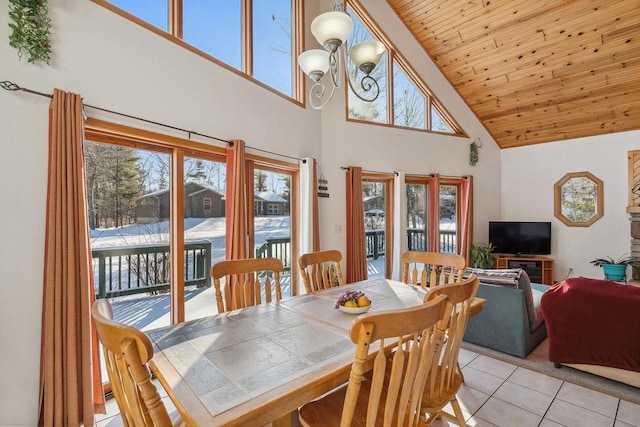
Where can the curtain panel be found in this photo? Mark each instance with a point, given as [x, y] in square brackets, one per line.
[309, 232]
[399, 224]
[466, 218]
[70, 383]
[356, 250]
[236, 211]
[433, 243]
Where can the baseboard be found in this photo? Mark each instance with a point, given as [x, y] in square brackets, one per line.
[628, 377]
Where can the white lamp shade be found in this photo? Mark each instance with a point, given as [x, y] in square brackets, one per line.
[331, 25]
[368, 51]
[314, 60]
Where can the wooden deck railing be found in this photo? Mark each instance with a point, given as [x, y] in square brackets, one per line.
[417, 242]
[276, 247]
[127, 270]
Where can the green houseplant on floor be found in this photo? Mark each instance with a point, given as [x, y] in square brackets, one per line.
[481, 255]
[616, 269]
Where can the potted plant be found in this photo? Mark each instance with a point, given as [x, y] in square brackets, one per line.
[616, 269]
[481, 255]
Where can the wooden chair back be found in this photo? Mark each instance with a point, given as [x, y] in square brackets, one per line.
[246, 281]
[445, 377]
[127, 352]
[390, 394]
[429, 269]
[321, 270]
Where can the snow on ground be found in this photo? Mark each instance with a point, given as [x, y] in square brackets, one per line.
[211, 229]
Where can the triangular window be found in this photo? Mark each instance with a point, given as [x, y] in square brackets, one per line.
[404, 99]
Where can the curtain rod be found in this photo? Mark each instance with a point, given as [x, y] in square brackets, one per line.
[441, 176]
[346, 168]
[13, 87]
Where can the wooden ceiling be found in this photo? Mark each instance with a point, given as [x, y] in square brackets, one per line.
[535, 71]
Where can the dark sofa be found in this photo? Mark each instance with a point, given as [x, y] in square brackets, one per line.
[511, 320]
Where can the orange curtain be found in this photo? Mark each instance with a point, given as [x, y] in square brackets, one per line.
[236, 209]
[433, 245]
[356, 250]
[70, 384]
[466, 217]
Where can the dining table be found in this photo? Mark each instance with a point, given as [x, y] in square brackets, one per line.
[257, 365]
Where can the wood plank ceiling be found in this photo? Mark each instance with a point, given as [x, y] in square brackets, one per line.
[536, 71]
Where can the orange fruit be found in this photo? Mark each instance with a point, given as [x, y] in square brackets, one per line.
[363, 302]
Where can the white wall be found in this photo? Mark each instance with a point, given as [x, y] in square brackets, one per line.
[118, 65]
[528, 178]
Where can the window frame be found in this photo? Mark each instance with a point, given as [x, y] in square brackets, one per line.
[394, 57]
[175, 33]
[444, 181]
[179, 148]
[388, 180]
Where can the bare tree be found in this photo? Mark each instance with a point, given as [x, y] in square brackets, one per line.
[260, 181]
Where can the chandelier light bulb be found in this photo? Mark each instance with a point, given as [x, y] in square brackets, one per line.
[331, 27]
[314, 63]
[366, 53]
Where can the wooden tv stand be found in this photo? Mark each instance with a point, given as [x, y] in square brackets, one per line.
[539, 268]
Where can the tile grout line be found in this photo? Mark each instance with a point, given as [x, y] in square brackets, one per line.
[555, 396]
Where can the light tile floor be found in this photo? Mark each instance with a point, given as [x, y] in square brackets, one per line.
[496, 393]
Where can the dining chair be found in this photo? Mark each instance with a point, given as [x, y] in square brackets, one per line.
[127, 352]
[429, 269]
[248, 281]
[321, 270]
[393, 389]
[445, 378]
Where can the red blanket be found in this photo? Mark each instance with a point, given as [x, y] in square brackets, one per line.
[595, 322]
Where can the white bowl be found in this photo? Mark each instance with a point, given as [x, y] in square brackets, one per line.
[354, 310]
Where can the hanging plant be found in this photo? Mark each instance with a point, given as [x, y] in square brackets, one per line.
[30, 29]
[473, 153]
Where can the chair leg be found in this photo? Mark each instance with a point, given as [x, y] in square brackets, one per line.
[458, 412]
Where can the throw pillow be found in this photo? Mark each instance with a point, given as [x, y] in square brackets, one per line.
[503, 277]
[515, 278]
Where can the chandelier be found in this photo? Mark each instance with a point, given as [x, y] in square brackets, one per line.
[332, 29]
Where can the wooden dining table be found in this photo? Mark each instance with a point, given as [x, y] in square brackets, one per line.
[256, 365]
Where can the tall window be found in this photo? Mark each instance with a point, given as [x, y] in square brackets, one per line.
[272, 222]
[158, 222]
[378, 222]
[404, 99]
[253, 37]
[419, 225]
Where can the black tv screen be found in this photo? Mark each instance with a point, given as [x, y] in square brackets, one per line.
[519, 237]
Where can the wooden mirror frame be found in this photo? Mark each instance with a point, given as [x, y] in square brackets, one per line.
[599, 204]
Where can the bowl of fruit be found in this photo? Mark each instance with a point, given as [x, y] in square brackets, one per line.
[353, 302]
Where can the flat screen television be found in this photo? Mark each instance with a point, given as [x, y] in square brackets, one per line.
[520, 237]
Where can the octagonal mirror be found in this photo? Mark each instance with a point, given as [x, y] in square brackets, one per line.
[578, 199]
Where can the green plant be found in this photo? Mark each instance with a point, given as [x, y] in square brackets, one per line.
[481, 255]
[473, 153]
[30, 29]
[625, 259]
